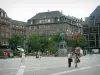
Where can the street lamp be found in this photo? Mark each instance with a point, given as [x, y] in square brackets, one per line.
[24, 43]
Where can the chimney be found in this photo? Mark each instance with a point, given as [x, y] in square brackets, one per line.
[61, 11]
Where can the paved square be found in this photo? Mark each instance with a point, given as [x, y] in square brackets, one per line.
[50, 66]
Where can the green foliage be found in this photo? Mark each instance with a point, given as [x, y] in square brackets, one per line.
[79, 42]
[16, 40]
[44, 43]
[34, 42]
[52, 46]
[1, 52]
[56, 38]
[49, 43]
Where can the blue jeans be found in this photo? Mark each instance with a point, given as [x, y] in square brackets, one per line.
[4, 57]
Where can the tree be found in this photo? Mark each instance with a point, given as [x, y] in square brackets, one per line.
[57, 38]
[16, 40]
[34, 42]
[44, 41]
[79, 42]
[53, 42]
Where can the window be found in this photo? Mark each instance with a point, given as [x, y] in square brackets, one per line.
[40, 21]
[94, 30]
[92, 44]
[52, 20]
[58, 19]
[2, 34]
[40, 26]
[2, 27]
[92, 17]
[97, 37]
[1, 14]
[6, 34]
[31, 22]
[4, 14]
[44, 26]
[91, 37]
[2, 41]
[85, 31]
[48, 20]
[17, 26]
[48, 26]
[21, 32]
[97, 43]
[30, 28]
[20, 26]
[35, 27]
[7, 29]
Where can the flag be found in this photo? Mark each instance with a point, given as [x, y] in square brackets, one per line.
[66, 35]
[72, 36]
[78, 35]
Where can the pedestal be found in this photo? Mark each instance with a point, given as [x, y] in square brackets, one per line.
[62, 48]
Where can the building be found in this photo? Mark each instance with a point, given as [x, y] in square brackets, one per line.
[18, 28]
[4, 27]
[91, 30]
[8, 27]
[51, 22]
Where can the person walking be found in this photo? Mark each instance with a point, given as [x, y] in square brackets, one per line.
[5, 54]
[8, 54]
[39, 54]
[76, 59]
[69, 59]
[36, 54]
[23, 58]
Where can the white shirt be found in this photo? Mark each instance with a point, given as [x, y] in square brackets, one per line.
[23, 55]
[69, 55]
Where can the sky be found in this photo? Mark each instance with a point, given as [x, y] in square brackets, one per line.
[22, 10]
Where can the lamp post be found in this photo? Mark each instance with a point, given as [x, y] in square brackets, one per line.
[24, 44]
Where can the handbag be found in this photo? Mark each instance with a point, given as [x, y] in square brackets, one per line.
[78, 60]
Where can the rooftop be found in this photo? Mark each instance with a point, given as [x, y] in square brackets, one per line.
[48, 14]
[18, 22]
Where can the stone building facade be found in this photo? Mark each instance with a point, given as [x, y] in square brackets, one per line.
[4, 27]
[51, 22]
[17, 27]
[8, 27]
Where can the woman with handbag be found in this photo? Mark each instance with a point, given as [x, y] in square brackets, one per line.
[76, 59]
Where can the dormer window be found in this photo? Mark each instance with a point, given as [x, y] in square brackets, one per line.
[4, 14]
[1, 14]
[48, 20]
[31, 22]
[58, 19]
[44, 16]
[40, 21]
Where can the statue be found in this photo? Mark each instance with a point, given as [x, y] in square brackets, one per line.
[62, 50]
[62, 36]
